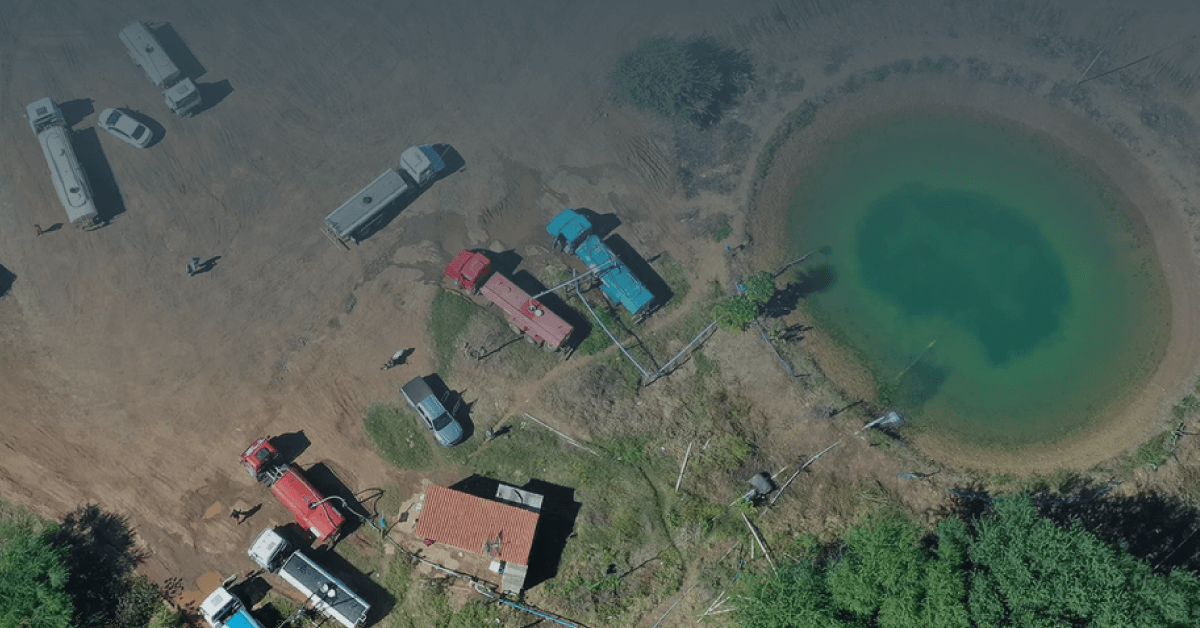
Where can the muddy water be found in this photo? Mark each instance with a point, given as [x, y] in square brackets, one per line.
[998, 287]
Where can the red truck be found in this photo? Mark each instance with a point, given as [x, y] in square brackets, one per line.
[310, 509]
[472, 271]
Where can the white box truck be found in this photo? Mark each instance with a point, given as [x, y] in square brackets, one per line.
[223, 609]
[326, 593]
[179, 91]
[69, 179]
[421, 163]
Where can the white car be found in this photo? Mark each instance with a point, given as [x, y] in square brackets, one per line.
[125, 127]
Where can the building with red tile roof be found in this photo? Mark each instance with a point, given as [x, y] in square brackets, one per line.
[477, 525]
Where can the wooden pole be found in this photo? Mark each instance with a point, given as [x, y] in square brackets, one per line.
[564, 436]
[761, 545]
[794, 475]
[1089, 68]
[683, 466]
[664, 616]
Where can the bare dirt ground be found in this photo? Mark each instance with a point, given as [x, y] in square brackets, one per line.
[126, 383]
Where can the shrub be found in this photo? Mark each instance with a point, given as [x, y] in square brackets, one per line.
[735, 313]
[760, 287]
[690, 81]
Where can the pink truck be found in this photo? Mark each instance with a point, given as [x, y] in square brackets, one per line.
[472, 271]
[312, 511]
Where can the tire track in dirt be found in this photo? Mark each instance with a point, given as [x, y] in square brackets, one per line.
[650, 161]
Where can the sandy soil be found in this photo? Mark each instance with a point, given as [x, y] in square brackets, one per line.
[126, 383]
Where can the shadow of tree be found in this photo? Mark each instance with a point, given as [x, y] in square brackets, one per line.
[785, 300]
[102, 554]
[1162, 530]
[733, 71]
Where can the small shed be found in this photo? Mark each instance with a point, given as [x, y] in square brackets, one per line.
[486, 527]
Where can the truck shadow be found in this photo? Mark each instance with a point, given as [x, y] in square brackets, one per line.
[7, 279]
[556, 521]
[330, 485]
[179, 52]
[105, 191]
[389, 213]
[75, 110]
[212, 94]
[360, 583]
[602, 224]
[454, 161]
[642, 270]
[290, 445]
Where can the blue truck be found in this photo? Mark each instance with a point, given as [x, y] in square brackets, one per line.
[574, 233]
[223, 609]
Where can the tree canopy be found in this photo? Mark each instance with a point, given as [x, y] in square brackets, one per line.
[735, 313]
[1009, 568]
[33, 583]
[691, 81]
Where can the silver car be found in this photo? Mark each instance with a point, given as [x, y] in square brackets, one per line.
[447, 431]
[125, 127]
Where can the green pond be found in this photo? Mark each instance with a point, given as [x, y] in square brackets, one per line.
[996, 285]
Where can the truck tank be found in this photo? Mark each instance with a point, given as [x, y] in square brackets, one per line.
[70, 182]
[327, 593]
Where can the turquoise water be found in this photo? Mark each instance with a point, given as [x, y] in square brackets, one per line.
[994, 285]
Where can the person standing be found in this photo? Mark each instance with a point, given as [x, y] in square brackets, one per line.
[38, 228]
[193, 266]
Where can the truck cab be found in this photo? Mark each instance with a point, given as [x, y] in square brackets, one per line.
[422, 163]
[260, 458]
[223, 609]
[270, 550]
[469, 270]
[569, 228]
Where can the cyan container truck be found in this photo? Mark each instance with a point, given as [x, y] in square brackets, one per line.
[573, 232]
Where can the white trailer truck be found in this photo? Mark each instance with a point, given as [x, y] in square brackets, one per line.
[223, 609]
[327, 594]
[69, 179]
[420, 163]
[179, 91]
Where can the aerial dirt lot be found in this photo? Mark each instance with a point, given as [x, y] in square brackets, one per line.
[126, 383]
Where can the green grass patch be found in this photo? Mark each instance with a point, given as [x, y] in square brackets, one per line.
[17, 520]
[1152, 454]
[675, 274]
[1188, 406]
[722, 229]
[596, 340]
[447, 321]
[398, 436]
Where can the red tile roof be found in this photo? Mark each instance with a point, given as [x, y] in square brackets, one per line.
[474, 524]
